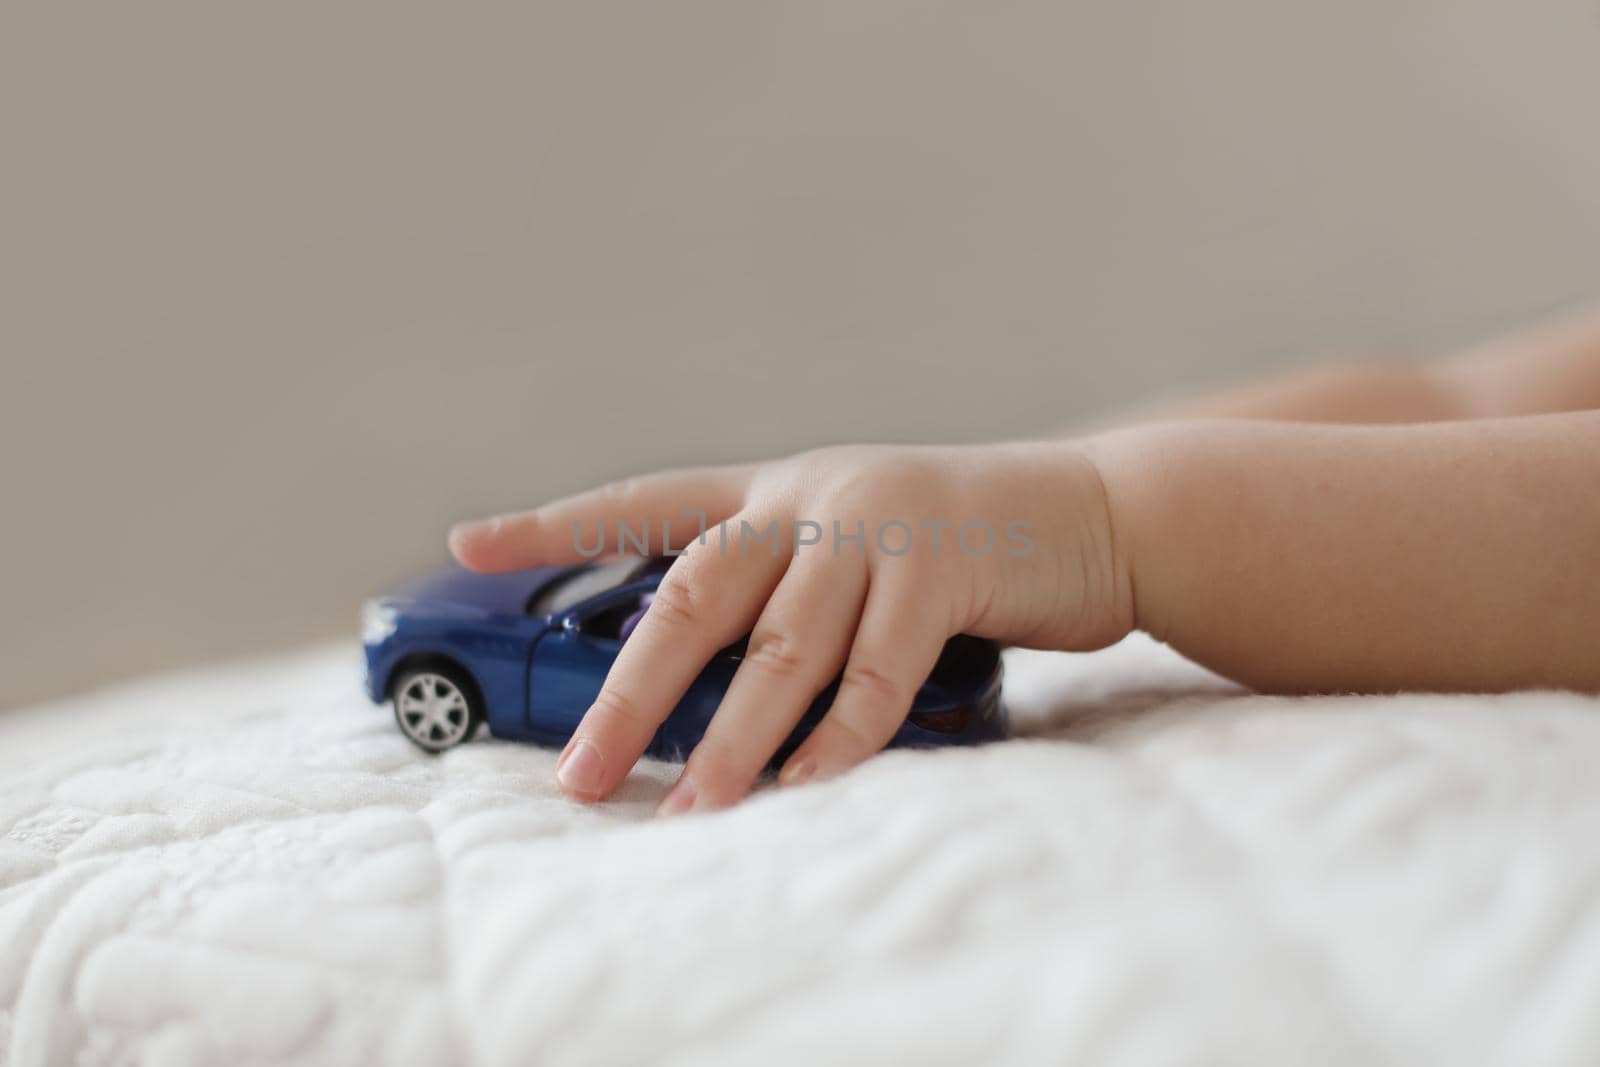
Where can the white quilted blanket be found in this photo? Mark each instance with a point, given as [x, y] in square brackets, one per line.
[249, 866]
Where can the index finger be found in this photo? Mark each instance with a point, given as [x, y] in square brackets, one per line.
[563, 531]
[705, 602]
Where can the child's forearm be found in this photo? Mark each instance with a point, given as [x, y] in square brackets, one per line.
[1365, 392]
[1552, 367]
[1461, 556]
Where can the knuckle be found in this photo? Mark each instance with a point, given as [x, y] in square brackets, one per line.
[878, 686]
[714, 758]
[776, 652]
[857, 490]
[621, 708]
[677, 603]
[855, 734]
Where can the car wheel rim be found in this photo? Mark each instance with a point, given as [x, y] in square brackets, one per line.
[432, 710]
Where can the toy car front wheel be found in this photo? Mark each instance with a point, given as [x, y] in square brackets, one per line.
[435, 708]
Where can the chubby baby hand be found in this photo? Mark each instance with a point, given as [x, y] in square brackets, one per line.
[850, 562]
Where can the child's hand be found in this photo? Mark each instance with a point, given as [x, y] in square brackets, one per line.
[1008, 541]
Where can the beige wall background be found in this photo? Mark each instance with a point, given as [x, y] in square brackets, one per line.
[287, 288]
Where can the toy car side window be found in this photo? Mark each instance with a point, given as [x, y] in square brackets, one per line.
[605, 622]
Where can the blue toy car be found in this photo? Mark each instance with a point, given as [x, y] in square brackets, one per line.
[526, 653]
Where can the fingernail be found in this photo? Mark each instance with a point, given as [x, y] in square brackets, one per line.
[797, 772]
[473, 528]
[461, 533]
[678, 800]
[580, 770]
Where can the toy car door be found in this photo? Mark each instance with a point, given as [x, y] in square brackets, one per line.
[569, 663]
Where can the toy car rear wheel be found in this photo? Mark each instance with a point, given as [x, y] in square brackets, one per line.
[435, 707]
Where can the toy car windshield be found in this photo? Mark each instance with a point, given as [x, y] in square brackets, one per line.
[576, 586]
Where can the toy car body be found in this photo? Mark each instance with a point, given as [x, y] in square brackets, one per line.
[526, 653]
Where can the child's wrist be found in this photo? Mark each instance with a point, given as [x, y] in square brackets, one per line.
[1127, 480]
[1083, 531]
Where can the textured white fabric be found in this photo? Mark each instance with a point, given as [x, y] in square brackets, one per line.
[250, 866]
